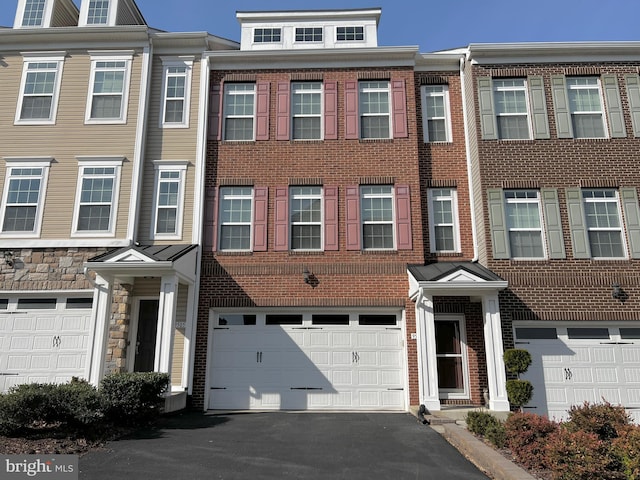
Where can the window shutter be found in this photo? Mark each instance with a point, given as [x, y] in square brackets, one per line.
[553, 222]
[262, 110]
[488, 122]
[351, 110]
[260, 210]
[215, 112]
[614, 106]
[399, 106]
[633, 95]
[561, 106]
[283, 111]
[330, 110]
[579, 237]
[499, 234]
[211, 214]
[331, 218]
[538, 108]
[281, 237]
[353, 217]
[403, 218]
[629, 197]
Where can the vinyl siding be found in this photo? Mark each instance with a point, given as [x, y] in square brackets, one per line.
[147, 287]
[178, 345]
[62, 17]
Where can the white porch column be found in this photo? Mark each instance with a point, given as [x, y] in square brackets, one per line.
[498, 400]
[101, 314]
[166, 323]
[427, 361]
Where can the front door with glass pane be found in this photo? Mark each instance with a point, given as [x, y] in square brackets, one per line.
[451, 357]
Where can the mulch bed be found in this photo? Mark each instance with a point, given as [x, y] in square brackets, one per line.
[47, 446]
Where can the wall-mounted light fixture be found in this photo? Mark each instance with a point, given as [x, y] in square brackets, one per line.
[8, 258]
[616, 292]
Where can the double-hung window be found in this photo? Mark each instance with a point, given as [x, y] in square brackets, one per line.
[435, 113]
[169, 197]
[176, 92]
[239, 111]
[350, 34]
[306, 218]
[235, 215]
[376, 203]
[603, 222]
[443, 220]
[97, 197]
[40, 89]
[306, 107]
[522, 210]
[585, 105]
[108, 89]
[510, 96]
[23, 198]
[375, 109]
[308, 34]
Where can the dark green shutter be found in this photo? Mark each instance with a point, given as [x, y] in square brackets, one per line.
[561, 106]
[614, 106]
[498, 224]
[538, 108]
[579, 236]
[553, 222]
[488, 122]
[633, 95]
[629, 197]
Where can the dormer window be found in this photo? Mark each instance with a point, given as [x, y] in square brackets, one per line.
[267, 35]
[311, 34]
[33, 13]
[350, 34]
[98, 13]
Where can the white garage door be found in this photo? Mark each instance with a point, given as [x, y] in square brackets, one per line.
[299, 362]
[572, 365]
[43, 340]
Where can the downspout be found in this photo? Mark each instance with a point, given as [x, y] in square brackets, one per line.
[474, 232]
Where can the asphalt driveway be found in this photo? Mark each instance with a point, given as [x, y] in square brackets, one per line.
[309, 446]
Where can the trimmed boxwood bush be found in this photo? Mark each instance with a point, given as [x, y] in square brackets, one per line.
[527, 435]
[517, 361]
[488, 426]
[519, 392]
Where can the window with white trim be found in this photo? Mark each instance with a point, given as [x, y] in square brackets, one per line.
[511, 107]
[23, 198]
[33, 15]
[376, 204]
[350, 34]
[443, 220]
[98, 13]
[176, 92]
[585, 105]
[40, 90]
[168, 200]
[375, 109]
[235, 218]
[267, 35]
[435, 113]
[305, 213]
[108, 89]
[604, 223]
[306, 110]
[239, 111]
[308, 34]
[522, 211]
[96, 198]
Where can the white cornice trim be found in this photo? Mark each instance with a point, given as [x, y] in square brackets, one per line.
[14, 243]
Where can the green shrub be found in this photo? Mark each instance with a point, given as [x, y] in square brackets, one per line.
[519, 392]
[601, 419]
[517, 360]
[133, 398]
[496, 434]
[627, 448]
[78, 404]
[478, 422]
[527, 435]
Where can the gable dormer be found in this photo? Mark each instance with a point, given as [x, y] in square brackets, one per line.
[45, 14]
[309, 29]
[110, 13]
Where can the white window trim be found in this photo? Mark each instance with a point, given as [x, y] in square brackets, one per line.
[447, 113]
[543, 239]
[168, 62]
[109, 57]
[291, 223]
[251, 223]
[311, 27]
[446, 393]
[621, 229]
[253, 116]
[320, 115]
[37, 57]
[97, 162]
[169, 166]
[524, 88]
[84, 15]
[602, 112]
[26, 162]
[46, 15]
[361, 114]
[394, 226]
[456, 222]
[267, 27]
[342, 42]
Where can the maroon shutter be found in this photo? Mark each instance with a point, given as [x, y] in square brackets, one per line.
[262, 110]
[211, 213]
[399, 96]
[351, 110]
[330, 110]
[260, 210]
[283, 109]
[215, 111]
[281, 237]
[352, 200]
[403, 218]
[331, 218]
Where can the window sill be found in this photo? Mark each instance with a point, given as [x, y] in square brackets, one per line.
[379, 252]
[236, 253]
[376, 140]
[238, 142]
[305, 253]
[105, 121]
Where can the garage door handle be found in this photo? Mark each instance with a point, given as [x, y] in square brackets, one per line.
[616, 343]
[9, 374]
[306, 388]
[568, 374]
[57, 341]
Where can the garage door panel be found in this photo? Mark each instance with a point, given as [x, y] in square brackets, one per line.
[634, 396]
[611, 395]
[582, 375]
[367, 378]
[317, 400]
[580, 355]
[391, 378]
[390, 339]
[632, 375]
[340, 358]
[604, 355]
[631, 354]
[342, 378]
[47, 323]
[320, 358]
[319, 339]
[20, 343]
[39, 362]
[606, 375]
[18, 362]
[390, 359]
[367, 339]
[554, 375]
[554, 396]
[341, 339]
[581, 395]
